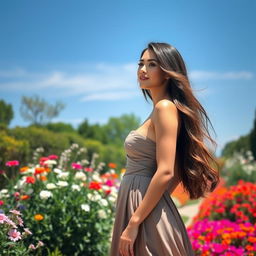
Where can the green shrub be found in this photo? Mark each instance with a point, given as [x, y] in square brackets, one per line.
[70, 207]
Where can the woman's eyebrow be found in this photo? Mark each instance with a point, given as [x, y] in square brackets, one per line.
[149, 60]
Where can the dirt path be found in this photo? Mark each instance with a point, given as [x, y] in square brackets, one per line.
[189, 211]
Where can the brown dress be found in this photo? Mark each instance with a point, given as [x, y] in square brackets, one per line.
[162, 233]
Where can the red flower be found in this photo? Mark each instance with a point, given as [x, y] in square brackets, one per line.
[1, 202]
[107, 192]
[43, 159]
[95, 185]
[52, 157]
[112, 165]
[88, 169]
[12, 163]
[30, 179]
[39, 170]
[16, 194]
[77, 166]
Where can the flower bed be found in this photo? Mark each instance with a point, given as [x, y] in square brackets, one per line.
[226, 222]
[69, 207]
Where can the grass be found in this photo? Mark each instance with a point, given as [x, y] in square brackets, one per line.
[184, 218]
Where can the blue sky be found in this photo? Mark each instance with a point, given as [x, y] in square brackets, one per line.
[85, 54]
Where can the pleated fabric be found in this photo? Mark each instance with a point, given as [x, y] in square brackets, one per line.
[162, 233]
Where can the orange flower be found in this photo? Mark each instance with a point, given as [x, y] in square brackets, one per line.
[43, 178]
[38, 217]
[24, 197]
[112, 165]
[23, 169]
[252, 239]
[39, 170]
[249, 247]
[47, 169]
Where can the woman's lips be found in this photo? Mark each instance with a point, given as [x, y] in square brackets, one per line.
[143, 78]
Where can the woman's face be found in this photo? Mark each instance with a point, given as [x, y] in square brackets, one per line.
[149, 72]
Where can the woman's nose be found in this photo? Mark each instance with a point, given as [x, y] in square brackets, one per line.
[143, 68]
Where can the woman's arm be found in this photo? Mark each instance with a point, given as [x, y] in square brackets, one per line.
[165, 119]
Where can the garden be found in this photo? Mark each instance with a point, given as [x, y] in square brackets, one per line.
[63, 205]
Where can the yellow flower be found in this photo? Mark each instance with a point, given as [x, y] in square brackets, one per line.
[39, 217]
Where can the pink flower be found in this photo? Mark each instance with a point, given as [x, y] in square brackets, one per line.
[39, 244]
[42, 160]
[76, 166]
[20, 221]
[110, 183]
[10, 222]
[3, 218]
[31, 246]
[15, 212]
[1, 202]
[88, 169]
[53, 157]
[14, 235]
[16, 194]
[12, 163]
[27, 231]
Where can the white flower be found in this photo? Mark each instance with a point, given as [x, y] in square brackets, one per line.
[94, 197]
[75, 187]
[105, 187]
[85, 207]
[62, 183]
[56, 170]
[89, 195]
[112, 199]
[80, 176]
[96, 177]
[29, 170]
[112, 171]
[63, 175]
[51, 186]
[102, 214]
[103, 202]
[45, 194]
[4, 191]
[50, 162]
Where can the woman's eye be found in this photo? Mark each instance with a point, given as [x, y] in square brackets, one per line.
[152, 64]
[140, 64]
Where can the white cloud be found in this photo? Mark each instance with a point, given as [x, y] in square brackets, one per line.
[210, 75]
[94, 85]
[111, 95]
[100, 81]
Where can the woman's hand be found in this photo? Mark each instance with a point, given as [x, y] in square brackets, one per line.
[127, 240]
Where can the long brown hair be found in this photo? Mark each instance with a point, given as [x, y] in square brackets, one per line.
[196, 163]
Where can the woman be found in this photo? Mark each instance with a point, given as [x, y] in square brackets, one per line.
[166, 149]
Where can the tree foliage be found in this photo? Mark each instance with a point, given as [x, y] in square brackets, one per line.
[37, 111]
[6, 113]
[253, 137]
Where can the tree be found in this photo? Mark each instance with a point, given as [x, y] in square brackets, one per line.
[113, 132]
[94, 131]
[253, 137]
[38, 111]
[60, 127]
[6, 113]
[117, 128]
